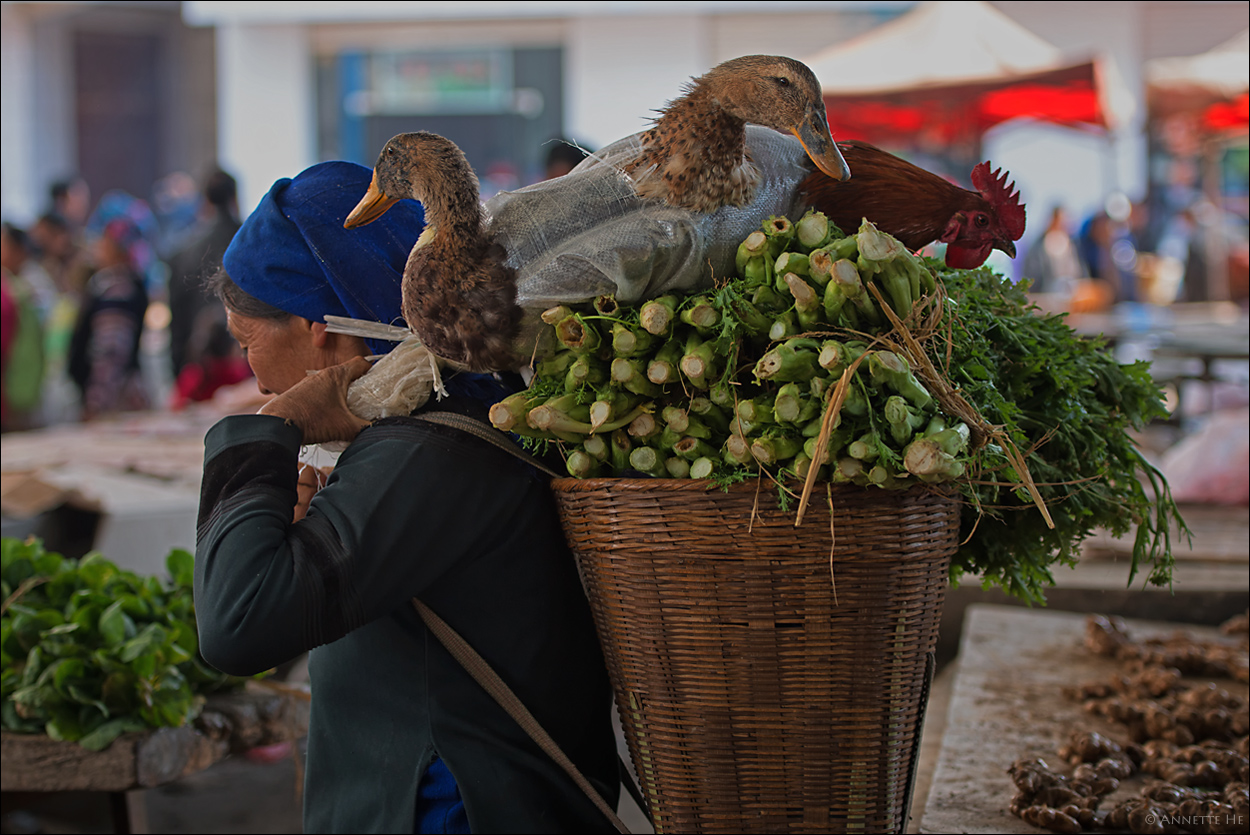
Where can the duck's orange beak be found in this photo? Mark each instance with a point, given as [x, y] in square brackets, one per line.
[813, 132]
[371, 207]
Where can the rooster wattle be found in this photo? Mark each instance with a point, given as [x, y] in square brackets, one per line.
[919, 207]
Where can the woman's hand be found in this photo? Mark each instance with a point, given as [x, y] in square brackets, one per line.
[317, 405]
[311, 480]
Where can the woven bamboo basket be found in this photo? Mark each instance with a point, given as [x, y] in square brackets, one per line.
[765, 684]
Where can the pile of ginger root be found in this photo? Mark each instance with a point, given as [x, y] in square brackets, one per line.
[1186, 739]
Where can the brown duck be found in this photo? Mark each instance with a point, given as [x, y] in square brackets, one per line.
[458, 295]
[696, 157]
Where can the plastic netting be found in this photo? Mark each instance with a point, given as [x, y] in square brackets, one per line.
[588, 234]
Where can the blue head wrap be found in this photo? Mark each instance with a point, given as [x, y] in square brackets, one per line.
[293, 252]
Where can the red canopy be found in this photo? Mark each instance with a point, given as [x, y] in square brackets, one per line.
[1067, 96]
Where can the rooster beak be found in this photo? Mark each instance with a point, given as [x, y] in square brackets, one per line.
[1006, 246]
[371, 207]
[813, 132]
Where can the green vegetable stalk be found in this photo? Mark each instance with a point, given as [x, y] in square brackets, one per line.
[563, 417]
[700, 364]
[508, 415]
[808, 305]
[628, 341]
[889, 369]
[631, 374]
[701, 314]
[794, 406]
[753, 246]
[648, 460]
[596, 447]
[612, 406]
[581, 464]
[576, 334]
[788, 262]
[780, 232]
[585, 370]
[785, 326]
[677, 467]
[705, 467]
[664, 366]
[774, 449]
[657, 315]
[553, 315]
[619, 447]
[903, 419]
[820, 268]
[692, 449]
[644, 427]
[796, 359]
[813, 231]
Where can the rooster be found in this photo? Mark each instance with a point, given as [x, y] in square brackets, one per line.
[918, 207]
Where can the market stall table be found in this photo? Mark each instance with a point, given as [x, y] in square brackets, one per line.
[136, 476]
[1007, 704]
[259, 715]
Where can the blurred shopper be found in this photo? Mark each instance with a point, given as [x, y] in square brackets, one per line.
[198, 259]
[23, 337]
[104, 351]
[1053, 263]
[176, 202]
[118, 204]
[71, 199]
[8, 334]
[66, 262]
[16, 257]
[1108, 248]
[562, 157]
[213, 360]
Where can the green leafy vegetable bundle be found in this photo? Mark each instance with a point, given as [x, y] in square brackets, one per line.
[845, 358]
[89, 651]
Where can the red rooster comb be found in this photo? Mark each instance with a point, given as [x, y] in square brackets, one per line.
[1003, 197]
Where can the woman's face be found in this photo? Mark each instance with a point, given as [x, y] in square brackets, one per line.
[281, 353]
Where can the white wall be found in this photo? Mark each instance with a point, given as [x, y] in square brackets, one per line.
[266, 124]
[619, 70]
[19, 198]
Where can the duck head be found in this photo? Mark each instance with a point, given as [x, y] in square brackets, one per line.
[423, 166]
[780, 93]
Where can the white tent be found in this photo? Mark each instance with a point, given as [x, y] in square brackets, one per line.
[1223, 71]
[953, 70]
[916, 51]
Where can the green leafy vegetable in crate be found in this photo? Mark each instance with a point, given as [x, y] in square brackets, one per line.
[845, 358]
[89, 651]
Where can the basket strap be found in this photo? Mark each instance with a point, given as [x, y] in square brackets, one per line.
[930, 668]
[495, 686]
[487, 433]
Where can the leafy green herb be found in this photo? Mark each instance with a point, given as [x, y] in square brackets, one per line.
[1070, 407]
[89, 651]
[727, 478]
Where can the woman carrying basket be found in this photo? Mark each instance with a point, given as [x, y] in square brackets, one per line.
[402, 738]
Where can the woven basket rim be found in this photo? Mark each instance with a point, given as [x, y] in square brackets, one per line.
[569, 484]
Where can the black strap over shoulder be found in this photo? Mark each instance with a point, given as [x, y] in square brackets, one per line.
[487, 433]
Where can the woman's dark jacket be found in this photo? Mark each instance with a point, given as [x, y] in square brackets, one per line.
[412, 509]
